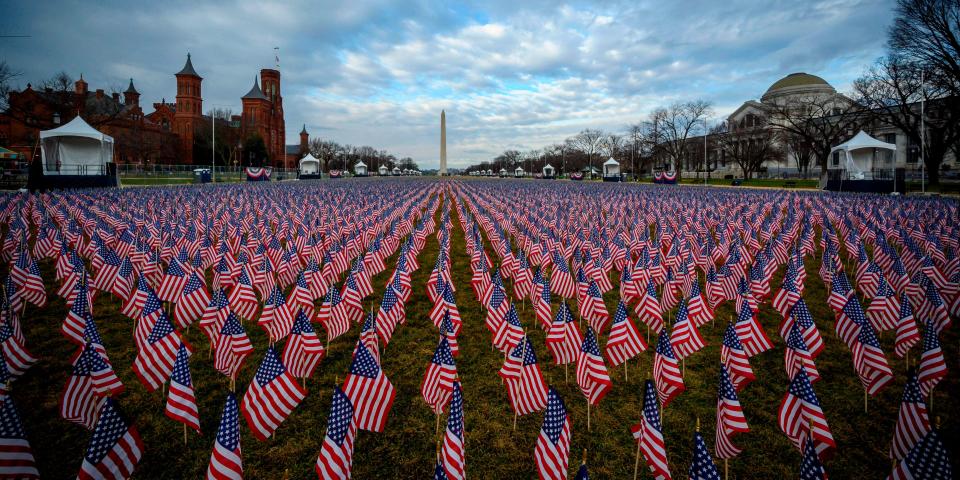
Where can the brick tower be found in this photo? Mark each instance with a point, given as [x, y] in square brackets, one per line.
[274, 134]
[189, 113]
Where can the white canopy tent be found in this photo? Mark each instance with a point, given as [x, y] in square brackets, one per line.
[503, 172]
[309, 165]
[396, 171]
[859, 155]
[360, 168]
[383, 170]
[75, 149]
[548, 170]
[519, 173]
[611, 168]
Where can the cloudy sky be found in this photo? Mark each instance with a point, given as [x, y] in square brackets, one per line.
[510, 74]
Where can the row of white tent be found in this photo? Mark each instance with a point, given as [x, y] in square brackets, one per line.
[610, 168]
[310, 165]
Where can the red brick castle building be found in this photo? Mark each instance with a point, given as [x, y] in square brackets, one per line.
[172, 134]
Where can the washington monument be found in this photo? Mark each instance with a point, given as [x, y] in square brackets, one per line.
[443, 143]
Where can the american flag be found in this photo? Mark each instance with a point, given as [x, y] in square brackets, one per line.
[26, 274]
[849, 322]
[685, 337]
[699, 311]
[351, 299]
[912, 422]
[870, 362]
[593, 309]
[526, 388]
[592, 374]
[702, 466]
[437, 384]
[271, 397]
[884, 309]
[173, 282]
[151, 313]
[76, 319]
[552, 454]
[932, 306]
[648, 309]
[391, 314]
[332, 315]
[303, 350]
[563, 338]
[226, 462]
[797, 356]
[231, 347]
[193, 301]
[16, 456]
[215, 314]
[840, 291]
[446, 303]
[276, 317]
[752, 336]
[929, 460]
[510, 330]
[114, 449]
[735, 359]
[541, 305]
[932, 367]
[335, 460]
[243, 299]
[800, 315]
[181, 402]
[788, 294]
[624, 342]
[80, 399]
[369, 390]
[666, 370]
[561, 281]
[155, 359]
[497, 309]
[452, 454]
[800, 414]
[907, 333]
[15, 353]
[730, 418]
[810, 466]
[649, 434]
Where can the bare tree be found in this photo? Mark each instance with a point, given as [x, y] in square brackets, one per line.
[748, 147]
[7, 74]
[892, 91]
[613, 145]
[801, 151]
[588, 141]
[674, 124]
[927, 32]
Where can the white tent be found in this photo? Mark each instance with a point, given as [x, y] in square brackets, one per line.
[396, 170]
[309, 165]
[503, 172]
[383, 170]
[859, 154]
[75, 149]
[548, 170]
[519, 173]
[611, 168]
[360, 169]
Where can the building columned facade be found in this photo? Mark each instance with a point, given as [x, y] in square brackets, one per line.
[173, 133]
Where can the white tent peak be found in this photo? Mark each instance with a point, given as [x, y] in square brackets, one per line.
[611, 161]
[864, 140]
[77, 128]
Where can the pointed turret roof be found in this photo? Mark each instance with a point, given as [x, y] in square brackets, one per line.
[304, 130]
[255, 93]
[188, 68]
[131, 89]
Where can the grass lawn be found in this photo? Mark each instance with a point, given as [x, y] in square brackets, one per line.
[493, 449]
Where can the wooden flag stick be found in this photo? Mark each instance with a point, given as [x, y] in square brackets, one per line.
[566, 373]
[636, 462]
[726, 469]
[625, 365]
[436, 431]
[588, 414]
[864, 400]
[184, 433]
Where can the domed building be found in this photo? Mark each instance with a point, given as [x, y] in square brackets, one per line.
[797, 84]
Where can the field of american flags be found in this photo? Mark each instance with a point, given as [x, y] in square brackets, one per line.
[407, 446]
